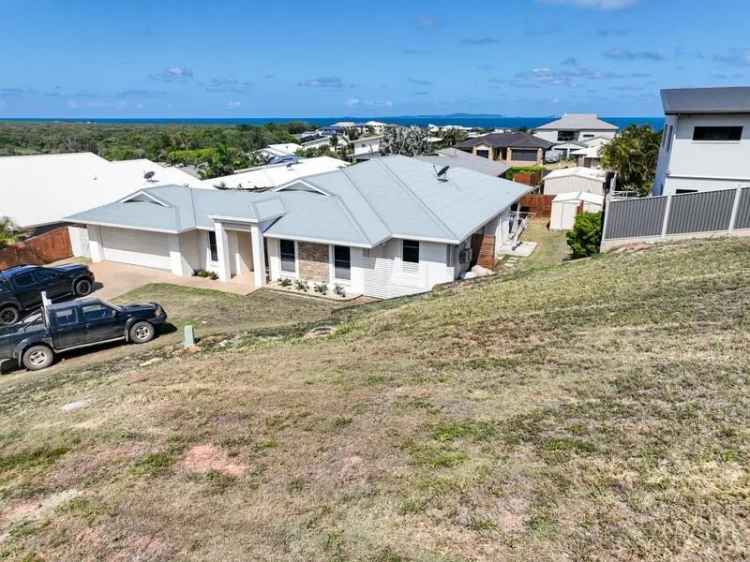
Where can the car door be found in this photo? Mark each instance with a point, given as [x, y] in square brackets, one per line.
[102, 322]
[67, 330]
[52, 282]
[26, 289]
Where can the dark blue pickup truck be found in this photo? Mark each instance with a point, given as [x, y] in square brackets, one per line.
[21, 287]
[34, 342]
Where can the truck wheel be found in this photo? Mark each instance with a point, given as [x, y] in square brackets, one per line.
[38, 357]
[82, 287]
[142, 332]
[9, 315]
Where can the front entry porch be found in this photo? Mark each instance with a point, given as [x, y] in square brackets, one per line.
[241, 252]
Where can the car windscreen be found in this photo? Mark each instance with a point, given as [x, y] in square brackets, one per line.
[109, 304]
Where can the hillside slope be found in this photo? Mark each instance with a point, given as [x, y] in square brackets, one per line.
[594, 410]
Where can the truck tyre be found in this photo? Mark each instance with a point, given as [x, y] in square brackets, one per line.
[142, 332]
[83, 287]
[38, 357]
[9, 315]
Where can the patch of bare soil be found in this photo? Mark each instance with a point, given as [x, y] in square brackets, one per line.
[202, 459]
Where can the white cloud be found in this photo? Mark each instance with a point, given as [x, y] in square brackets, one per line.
[596, 4]
[173, 74]
[233, 104]
[357, 102]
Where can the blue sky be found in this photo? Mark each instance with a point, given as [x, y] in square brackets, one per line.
[142, 58]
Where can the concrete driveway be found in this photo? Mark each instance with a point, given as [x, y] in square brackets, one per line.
[116, 279]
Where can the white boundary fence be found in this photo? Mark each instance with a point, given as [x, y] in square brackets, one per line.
[704, 214]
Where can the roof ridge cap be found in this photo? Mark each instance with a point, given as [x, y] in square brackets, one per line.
[367, 202]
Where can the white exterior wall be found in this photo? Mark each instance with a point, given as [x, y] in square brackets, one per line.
[95, 243]
[551, 135]
[370, 147]
[79, 241]
[386, 275]
[703, 165]
[573, 184]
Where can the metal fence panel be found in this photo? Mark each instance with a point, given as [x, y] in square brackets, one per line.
[706, 211]
[635, 218]
[743, 211]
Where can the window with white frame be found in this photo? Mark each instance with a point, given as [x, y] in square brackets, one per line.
[410, 255]
[288, 256]
[342, 262]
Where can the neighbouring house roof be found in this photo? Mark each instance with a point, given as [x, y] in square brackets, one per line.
[507, 140]
[454, 157]
[569, 145]
[588, 173]
[706, 100]
[578, 122]
[372, 138]
[43, 189]
[276, 174]
[363, 205]
[577, 196]
[588, 152]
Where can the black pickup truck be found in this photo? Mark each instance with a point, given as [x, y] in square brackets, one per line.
[21, 287]
[34, 342]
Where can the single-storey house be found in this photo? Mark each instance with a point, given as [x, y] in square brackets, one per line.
[38, 191]
[515, 149]
[384, 228]
[455, 157]
[576, 127]
[571, 180]
[274, 175]
[281, 149]
[365, 148]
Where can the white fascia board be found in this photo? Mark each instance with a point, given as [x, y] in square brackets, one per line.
[146, 194]
[425, 239]
[221, 218]
[128, 227]
[302, 181]
[318, 240]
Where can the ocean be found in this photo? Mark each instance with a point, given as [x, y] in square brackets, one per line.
[483, 121]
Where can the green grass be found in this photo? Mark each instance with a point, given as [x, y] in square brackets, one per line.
[587, 410]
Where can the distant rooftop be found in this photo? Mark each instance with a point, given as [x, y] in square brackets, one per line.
[578, 122]
[507, 140]
[706, 100]
[459, 158]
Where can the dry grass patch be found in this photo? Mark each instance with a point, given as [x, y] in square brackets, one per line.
[590, 411]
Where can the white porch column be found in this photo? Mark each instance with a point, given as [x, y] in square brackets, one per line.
[259, 256]
[178, 264]
[222, 245]
[95, 243]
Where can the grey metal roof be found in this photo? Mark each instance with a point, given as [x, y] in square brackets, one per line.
[401, 197]
[507, 140]
[453, 157]
[578, 122]
[706, 100]
[362, 205]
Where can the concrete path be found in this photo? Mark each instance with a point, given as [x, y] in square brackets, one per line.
[116, 279]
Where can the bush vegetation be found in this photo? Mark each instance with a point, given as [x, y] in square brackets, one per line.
[216, 149]
[586, 237]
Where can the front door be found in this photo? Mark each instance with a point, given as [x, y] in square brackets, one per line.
[102, 322]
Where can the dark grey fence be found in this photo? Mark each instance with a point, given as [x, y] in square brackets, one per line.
[743, 210]
[648, 218]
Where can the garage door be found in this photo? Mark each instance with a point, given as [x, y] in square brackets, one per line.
[147, 249]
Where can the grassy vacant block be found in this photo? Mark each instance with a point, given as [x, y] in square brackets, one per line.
[594, 410]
